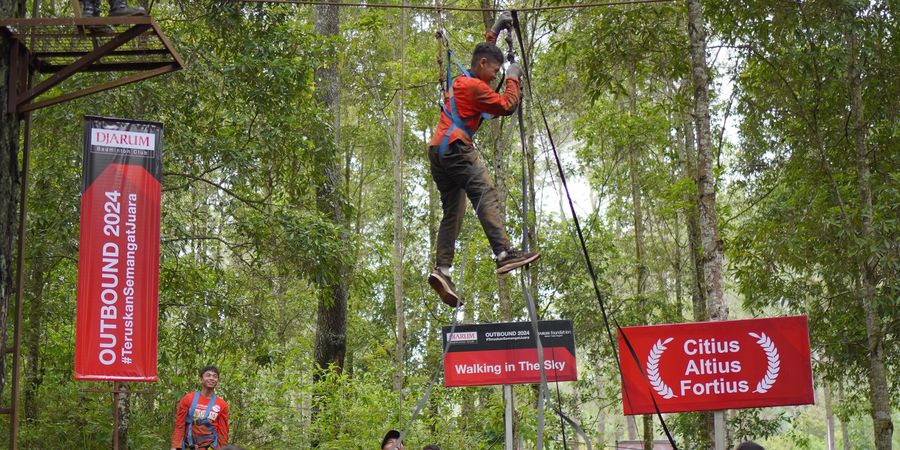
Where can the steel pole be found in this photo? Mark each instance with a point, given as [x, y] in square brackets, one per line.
[508, 415]
[719, 429]
[20, 290]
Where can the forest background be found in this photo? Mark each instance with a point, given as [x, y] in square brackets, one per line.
[299, 217]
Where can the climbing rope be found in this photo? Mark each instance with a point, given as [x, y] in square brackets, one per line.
[525, 282]
[580, 233]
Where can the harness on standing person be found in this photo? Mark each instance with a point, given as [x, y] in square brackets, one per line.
[188, 441]
[456, 122]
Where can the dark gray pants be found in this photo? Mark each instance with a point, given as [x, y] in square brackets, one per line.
[460, 173]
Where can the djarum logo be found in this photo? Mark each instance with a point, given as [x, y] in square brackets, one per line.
[705, 360]
[465, 336]
[123, 139]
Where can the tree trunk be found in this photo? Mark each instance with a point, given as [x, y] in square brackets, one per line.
[845, 436]
[9, 187]
[432, 189]
[711, 246]
[601, 427]
[468, 400]
[692, 218]
[709, 231]
[829, 419]
[878, 385]
[32, 338]
[123, 403]
[677, 268]
[397, 160]
[331, 323]
[638, 224]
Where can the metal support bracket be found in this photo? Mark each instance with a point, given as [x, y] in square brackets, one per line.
[61, 47]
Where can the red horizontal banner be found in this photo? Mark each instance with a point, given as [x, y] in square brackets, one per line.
[513, 366]
[118, 255]
[717, 365]
[506, 353]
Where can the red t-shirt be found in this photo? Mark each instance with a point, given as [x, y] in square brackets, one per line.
[218, 417]
[474, 97]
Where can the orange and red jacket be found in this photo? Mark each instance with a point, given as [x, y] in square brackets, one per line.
[474, 97]
[218, 416]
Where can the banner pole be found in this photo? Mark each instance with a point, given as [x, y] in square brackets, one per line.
[508, 415]
[115, 404]
[719, 429]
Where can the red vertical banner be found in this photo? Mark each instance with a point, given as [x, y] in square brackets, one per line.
[118, 255]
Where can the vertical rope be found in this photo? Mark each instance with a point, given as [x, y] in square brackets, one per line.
[586, 254]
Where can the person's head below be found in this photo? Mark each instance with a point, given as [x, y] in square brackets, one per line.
[390, 438]
[431, 447]
[749, 445]
[231, 447]
[209, 377]
[486, 61]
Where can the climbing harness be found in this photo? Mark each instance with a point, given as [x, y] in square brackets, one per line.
[449, 108]
[189, 438]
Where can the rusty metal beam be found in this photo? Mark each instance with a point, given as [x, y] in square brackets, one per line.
[109, 67]
[167, 44]
[100, 87]
[149, 51]
[81, 63]
[20, 289]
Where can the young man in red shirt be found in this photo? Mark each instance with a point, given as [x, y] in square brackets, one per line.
[201, 421]
[459, 172]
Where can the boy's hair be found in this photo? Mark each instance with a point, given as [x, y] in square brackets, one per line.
[431, 447]
[209, 368]
[486, 50]
[749, 445]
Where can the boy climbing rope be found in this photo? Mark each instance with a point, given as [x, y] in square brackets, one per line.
[459, 172]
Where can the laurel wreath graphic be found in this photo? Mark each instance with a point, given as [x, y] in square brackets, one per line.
[774, 365]
[653, 369]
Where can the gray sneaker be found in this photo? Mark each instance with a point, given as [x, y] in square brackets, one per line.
[513, 259]
[444, 287]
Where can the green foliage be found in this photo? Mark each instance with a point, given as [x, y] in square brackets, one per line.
[245, 250]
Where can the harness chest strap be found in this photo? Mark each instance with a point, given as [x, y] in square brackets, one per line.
[457, 122]
[202, 421]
